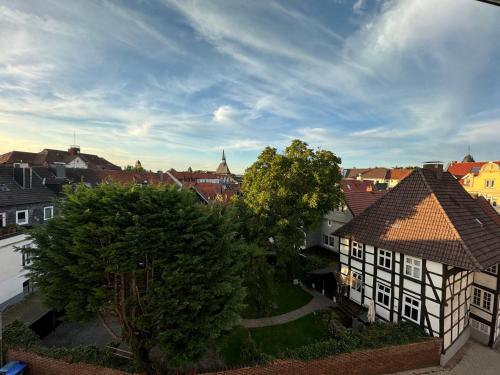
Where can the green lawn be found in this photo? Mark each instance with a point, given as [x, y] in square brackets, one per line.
[289, 298]
[275, 339]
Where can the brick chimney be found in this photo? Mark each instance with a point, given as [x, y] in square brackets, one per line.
[436, 167]
[74, 150]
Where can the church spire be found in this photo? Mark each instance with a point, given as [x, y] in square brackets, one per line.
[223, 156]
[223, 168]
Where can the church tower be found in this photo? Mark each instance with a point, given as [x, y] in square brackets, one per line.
[223, 168]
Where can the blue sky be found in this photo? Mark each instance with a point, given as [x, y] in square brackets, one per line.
[172, 83]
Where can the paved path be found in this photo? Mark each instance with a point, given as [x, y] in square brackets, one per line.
[319, 302]
[472, 359]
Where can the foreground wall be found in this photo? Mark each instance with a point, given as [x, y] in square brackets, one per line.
[372, 362]
[38, 365]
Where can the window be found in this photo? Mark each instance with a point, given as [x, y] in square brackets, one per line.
[480, 326]
[357, 250]
[482, 299]
[413, 267]
[22, 217]
[4, 187]
[489, 183]
[48, 213]
[328, 240]
[411, 309]
[329, 223]
[492, 269]
[26, 287]
[383, 294]
[357, 281]
[26, 256]
[3, 220]
[384, 258]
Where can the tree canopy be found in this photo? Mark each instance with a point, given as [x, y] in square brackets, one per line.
[155, 258]
[288, 193]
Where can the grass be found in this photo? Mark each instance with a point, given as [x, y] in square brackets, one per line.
[275, 339]
[289, 297]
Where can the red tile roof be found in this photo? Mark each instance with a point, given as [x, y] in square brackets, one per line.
[432, 218]
[358, 201]
[127, 177]
[461, 169]
[374, 173]
[357, 185]
[213, 192]
[399, 173]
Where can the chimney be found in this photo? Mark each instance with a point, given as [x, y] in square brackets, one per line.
[360, 177]
[436, 167]
[23, 176]
[74, 150]
[160, 176]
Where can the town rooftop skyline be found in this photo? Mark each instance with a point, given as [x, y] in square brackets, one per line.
[173, 83]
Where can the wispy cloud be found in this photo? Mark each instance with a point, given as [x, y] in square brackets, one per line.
[173, 82]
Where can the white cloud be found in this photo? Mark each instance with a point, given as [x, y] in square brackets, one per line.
[141, 129]
[358, 6]
[225, 113]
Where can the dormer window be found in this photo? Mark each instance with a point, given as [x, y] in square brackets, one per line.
[493, 269]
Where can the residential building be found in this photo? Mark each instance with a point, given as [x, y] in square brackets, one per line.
[72, 158]
[428, 253]
[396, 175]
[24, 201]
[484, 182]
[377, 175]
[356, 201]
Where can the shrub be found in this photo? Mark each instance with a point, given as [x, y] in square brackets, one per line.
[18, 335]
[375, 336]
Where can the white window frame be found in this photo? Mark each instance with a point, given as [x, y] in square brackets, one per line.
[384, 291]
[357, 250]
[384, 257]
[409, 301]
[492, 270]
[329, 222]
[3, 219]
[45, 218]
[476, 324]
[325, 239]
[27, 217]
[485, 299]
[410, 264]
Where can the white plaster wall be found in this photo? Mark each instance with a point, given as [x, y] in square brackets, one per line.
[12, 274]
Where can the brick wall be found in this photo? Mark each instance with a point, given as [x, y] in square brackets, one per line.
[38, 365]
[373, 362]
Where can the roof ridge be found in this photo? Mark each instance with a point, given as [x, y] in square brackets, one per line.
[448, 220]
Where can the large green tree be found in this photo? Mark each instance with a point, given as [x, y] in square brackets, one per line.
[288, 193]
[164, 265]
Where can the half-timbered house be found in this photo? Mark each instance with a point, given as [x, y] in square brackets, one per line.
[428, 253]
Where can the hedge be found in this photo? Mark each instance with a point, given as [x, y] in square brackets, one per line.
[18, 335]
[374, 336]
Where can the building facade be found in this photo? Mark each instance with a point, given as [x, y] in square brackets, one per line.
[427, 253]
[24, 201]
[484, 183]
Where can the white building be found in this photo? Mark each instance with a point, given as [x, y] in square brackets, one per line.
[14, 284]
[427, 253]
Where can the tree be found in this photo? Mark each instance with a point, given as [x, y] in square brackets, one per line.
[164, 265]
[289, 193]
[136, 168]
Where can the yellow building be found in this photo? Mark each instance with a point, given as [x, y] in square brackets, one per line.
[485, 182]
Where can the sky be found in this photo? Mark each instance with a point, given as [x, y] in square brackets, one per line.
[172, 83]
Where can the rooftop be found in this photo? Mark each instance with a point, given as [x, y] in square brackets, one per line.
[433, 218]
